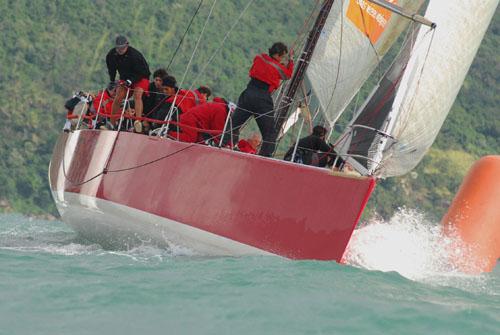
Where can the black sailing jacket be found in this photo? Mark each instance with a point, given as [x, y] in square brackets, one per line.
[307, 147]
[132, 65]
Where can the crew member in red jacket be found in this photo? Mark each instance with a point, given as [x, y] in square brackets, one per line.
[251, 144]
[266, 75]
[103, 101]
[184, 100]
[208, 116]
[188, 99]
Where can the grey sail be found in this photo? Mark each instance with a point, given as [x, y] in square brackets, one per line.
[366, 130]
[356, 35]
[402, 117]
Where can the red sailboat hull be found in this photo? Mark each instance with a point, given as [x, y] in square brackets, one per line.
[107, 183]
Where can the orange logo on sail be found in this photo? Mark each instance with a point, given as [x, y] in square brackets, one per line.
[369, 18]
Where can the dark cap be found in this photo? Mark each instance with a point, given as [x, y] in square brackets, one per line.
[169, 81]
[121, 41]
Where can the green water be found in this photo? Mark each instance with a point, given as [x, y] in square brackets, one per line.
[53, 283]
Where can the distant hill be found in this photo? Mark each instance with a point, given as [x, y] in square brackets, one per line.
[48, 50]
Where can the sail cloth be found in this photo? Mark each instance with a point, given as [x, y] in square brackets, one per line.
[367, 131]
[356, 35]
[412, 108]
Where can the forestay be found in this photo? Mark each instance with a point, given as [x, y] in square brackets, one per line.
[416, 94]
[356, 35]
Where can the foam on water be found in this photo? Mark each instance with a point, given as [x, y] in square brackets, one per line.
[23, 234]
[408, 244]
[412, 246]
[54, 283]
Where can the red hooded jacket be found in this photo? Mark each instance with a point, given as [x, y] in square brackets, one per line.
[267, 69]
[207, 116]
[107, 102]
[187, 99]
[244, 146]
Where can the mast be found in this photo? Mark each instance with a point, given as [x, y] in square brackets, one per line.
[297, 78]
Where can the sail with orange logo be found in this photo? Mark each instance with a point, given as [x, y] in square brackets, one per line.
[356, 35]
[369, 18]
[399, 122]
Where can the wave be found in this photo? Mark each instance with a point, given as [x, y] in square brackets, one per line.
[407, 244]
[414, 247]
[22, 234]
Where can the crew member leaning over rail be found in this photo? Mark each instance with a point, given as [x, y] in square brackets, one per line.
[182, 100]
[103, 101]
[134, 73]
[314, 150]
[210, 116]
[266, 74]
[251, 144]
[154, 99]
[169, 90]
[155, 90]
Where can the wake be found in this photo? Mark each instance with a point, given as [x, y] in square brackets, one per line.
[22, 234]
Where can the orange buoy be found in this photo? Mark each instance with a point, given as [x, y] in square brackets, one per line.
[474, 217]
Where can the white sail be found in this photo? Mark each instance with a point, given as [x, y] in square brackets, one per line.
[432, 79]
[356, 35]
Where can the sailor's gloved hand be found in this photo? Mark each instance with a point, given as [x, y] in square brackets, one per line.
[210, 142]
[126, 83]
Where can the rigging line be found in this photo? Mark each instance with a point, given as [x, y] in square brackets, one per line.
[105, 170]
[296, 100]
[300, 40]
[414, 98]
[352, 113]
[71, 181]
[408, 38]
[303, 31]
[340, 58]
[173, 153]
[368, 35]
[185, 33]
[191, 59]
[222, 43]
[197, 43]
[154, 160]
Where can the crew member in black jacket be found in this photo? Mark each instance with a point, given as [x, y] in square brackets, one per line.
[134, 73]
[313, 150]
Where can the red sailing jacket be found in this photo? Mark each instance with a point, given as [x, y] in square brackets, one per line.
[208, 116]
[267, 69]
[107, 102]
[244, 146]
[187, 99]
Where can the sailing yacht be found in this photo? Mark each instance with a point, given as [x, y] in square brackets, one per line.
[119, 188]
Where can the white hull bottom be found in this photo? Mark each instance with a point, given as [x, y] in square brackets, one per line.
[116, 226]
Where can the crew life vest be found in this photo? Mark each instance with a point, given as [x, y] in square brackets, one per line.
[270, 71]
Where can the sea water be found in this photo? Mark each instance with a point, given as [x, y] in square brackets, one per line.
[396, 281]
